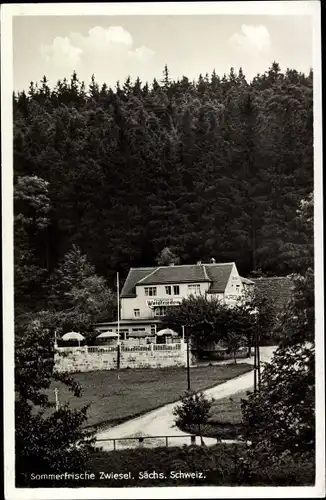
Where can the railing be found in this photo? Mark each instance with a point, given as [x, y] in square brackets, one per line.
[136, 348]
[140, 441]
[101, 349]
[167, 347]
[124, 348]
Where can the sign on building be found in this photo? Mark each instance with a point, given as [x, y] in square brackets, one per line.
[162, 302]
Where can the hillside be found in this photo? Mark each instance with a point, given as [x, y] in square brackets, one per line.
[212, 168]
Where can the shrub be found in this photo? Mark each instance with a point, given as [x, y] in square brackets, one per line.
[194, 409]
[280, 418]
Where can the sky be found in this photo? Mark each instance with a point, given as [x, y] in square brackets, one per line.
[115, 47]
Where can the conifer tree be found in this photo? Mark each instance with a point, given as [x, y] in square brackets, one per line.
[78, 297]
[211, 166]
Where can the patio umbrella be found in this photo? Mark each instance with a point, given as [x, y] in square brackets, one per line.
[73, 336]
[107, 335]
[167, 331]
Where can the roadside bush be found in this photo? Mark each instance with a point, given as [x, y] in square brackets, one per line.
[194, 409]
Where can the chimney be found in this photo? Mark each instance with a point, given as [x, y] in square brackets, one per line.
[198, 262]
[171, 264]
[213, 261]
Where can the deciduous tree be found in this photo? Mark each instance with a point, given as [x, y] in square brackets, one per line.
[193, 410]
[31, 220]
[280, 418]
[47, 440]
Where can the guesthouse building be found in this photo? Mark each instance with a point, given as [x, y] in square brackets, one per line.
[148, 292]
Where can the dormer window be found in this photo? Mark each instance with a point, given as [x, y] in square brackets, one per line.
[150, 291]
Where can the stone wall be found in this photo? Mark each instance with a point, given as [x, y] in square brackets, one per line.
[87, 359]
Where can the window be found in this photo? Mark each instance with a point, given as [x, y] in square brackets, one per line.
[153, 329]
[160, 311]
[168, 290]
[124, 333]
[176, 290]
[136, 313]
[138, 329]
[194, 289]
[150, 291]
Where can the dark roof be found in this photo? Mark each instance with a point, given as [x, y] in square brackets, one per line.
[175, 274]
[134, 275]
[217, 274]
[278, 289]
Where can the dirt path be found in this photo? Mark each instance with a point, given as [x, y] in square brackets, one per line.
[160, 422]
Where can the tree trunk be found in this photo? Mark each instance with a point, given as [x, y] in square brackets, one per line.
[201, 437]
[235, 357]
[249, 349]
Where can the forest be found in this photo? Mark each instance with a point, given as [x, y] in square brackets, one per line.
[216, 167]
[106, 179]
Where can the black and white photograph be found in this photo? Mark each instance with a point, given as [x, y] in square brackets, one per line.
[162, 250]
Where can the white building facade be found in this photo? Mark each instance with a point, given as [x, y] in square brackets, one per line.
[148, 293]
